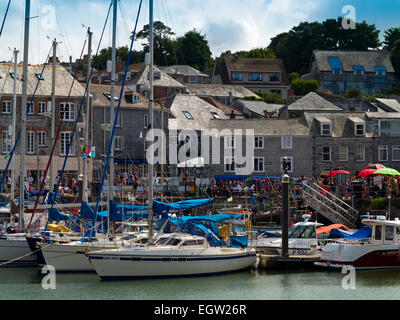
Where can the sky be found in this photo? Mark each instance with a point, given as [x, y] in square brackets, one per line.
[228, 24]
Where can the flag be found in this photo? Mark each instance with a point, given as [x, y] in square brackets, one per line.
[92, 152]
[88, 153]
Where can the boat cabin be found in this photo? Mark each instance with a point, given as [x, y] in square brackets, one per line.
[384, 231]
[181, 240]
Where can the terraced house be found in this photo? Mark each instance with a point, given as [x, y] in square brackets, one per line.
[338, 71]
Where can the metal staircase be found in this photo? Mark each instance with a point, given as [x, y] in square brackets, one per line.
[329, 205]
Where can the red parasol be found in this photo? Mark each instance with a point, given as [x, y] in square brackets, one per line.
[375, 166]
[366, 172]
[335, 172]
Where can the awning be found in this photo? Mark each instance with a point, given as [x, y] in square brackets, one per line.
[230, 177]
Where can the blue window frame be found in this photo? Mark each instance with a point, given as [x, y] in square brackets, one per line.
[358, 70]
[380, 71]
[336, 65]
[255, 76]
[236, 76]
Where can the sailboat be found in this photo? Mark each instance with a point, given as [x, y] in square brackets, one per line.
[175, 254]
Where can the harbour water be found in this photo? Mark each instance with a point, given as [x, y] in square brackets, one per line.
[25, 284]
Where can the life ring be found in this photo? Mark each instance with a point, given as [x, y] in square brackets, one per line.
[225, 231]
[247, 225]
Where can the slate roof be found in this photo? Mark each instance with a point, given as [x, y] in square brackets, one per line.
[142, 78]
[391, 103]
[260, 107]
[63, 81]
[183, 70]
[348, 59]
[198, 108]
[219, 90]
[312, 102]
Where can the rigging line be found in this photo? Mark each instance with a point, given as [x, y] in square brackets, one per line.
[5, 16]
[53, 148]
[12, 152]
[117, 111]
[166, 20]
[62, 27]
[5, 80]
[77, 117]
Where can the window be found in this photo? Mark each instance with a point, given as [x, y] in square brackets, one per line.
[256, 77]
[289, 162]
[358, 70]
[274, 77]
[118, 143]
[337, 72]
[326, 153]
[192, 79]
[30, 108]
[189, 243]
[6, 148]
[229, 163]
[343, 153]
[41, 107]
[396, 153]
[119, 119]
[360, 154]
[378, 232]
[229, 142]
[215, 115]
[42, 138]
[359, 129]
[30, 142]
[259, 142]
[383, 153]
[380, 71]
[286, 142]
[136, 98]
[7, 107]
[258, 164]
[388, 128]
[188, 115]
[326, 129]
[69, 111]
[65, 138]
[389, 232]
[237, 76]
[146, 121]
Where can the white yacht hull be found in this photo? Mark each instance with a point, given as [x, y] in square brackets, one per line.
[113, 264]
[15, 246]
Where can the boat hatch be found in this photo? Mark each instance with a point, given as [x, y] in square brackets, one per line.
[303, 232]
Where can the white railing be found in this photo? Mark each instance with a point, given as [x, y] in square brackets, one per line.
[329, 205]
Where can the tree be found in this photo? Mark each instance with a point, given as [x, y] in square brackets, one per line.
[391, 36]
[164, 46]
[296, 46]
[302, 87]
[354, 93]
[395, 57]
[194, 50]
[100, 61]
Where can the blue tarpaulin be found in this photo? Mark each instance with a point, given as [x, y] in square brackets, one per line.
[124, 212]
[230, 177]
[212, 218]
[163, 209]
[88, 213]
[239, 241]
[363, 233]
[57, 215]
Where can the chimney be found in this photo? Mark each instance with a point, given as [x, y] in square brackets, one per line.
[230, 98]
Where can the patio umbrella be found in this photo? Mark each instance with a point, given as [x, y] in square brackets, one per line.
[335, 172]
[375, 166]
[366, 172]
[387, 172]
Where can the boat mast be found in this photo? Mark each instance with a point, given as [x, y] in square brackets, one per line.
[85, 161]
[14, 121]
[23, 118]
[150, 163]
[53, 112]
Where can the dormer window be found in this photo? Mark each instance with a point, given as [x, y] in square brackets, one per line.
[380, 71]
[236, 76]
[215, 115]
[326, 129]
[157, 75]
[255, 76]
[336, 66]
[358, 70]
[188, 115]
[359, 129]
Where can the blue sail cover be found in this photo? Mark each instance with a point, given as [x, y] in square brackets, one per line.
[57, 215]
[212, 218]
[120, 212]
[163, 209]
[364, 233]
[239, 241]
[88, 213]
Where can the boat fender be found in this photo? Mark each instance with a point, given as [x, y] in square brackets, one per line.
[247, 225]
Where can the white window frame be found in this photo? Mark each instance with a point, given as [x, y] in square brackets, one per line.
[396, 147]
[30, 108]
[69, 114]
[8, 104]
[64, 144]
[30, 142]
[42, 105]
[6, 148]
[286, 142]
[330, 154]
[290, 160]
[119, 120]
[363, 129]
[379, 153]
[42, 139]
[347, 153]
[229, 142]
[258, 142]
[258, 160]
[118, 143]
[231, 162]
[322, 128]
[363, 154]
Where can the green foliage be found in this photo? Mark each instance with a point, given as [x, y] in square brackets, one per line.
[328, 95]
[391, 36]
[296, 46]
[293, 76]
[259, 53]
[379, 203]
[100, 61]
[267, 97]
[354, 93]
[302, 87]
[395, 57]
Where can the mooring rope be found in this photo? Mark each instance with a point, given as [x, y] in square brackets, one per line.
[26, 255]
